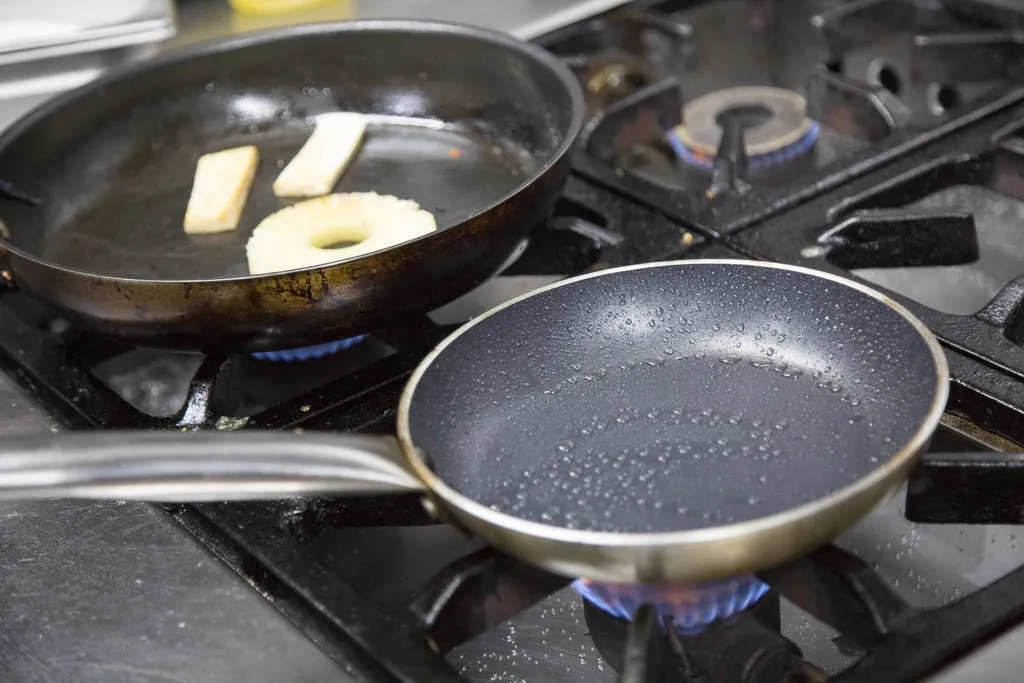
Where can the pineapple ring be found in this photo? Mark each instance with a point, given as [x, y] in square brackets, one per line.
[300, 235]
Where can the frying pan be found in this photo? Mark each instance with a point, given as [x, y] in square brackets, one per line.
[680, 421]
[475, 126]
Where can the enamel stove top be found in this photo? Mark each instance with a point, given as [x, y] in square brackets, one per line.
[878, 139]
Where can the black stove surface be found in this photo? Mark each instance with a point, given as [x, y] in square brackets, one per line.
[899, 162]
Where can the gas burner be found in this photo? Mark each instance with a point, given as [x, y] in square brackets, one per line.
[690, 607]
[619, 55]
[609, 80]
[318, 351]
[930, 56]
[775, 126]
[309, 352]
[748, 648]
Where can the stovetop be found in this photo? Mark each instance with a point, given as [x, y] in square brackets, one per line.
[899, 162]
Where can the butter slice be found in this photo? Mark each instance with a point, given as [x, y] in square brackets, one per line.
[321, 161]
[220, 190]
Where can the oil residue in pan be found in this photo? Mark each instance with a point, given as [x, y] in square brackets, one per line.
[131, 225]
[689, 466]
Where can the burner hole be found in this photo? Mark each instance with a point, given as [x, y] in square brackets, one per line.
[637, 80]
[882, 73]
[748, 115]
[835, 66]
[942, 98]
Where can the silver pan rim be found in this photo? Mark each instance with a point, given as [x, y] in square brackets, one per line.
[888, 473]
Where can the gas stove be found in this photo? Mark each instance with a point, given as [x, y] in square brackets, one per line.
[877, 139]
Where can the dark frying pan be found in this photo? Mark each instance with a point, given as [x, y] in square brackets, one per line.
[673, 422]
[114, 161]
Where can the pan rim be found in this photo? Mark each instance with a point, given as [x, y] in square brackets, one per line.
[216, 46]
[692, 537]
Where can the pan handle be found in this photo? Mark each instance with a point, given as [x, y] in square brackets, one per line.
[200, 466]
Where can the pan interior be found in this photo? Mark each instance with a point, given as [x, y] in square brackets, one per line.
[673, 398]
[457, 122]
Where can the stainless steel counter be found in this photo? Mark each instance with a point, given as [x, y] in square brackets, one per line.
[108, 593]
[119, 593]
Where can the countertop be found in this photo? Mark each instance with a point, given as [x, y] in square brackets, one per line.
[119, 593]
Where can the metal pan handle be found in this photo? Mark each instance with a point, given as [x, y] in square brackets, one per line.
[200, 466]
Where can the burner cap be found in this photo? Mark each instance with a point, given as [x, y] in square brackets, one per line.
[309, 352]
[776, 128]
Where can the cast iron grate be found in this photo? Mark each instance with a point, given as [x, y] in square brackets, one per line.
[849, 214]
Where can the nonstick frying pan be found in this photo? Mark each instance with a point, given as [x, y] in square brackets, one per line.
[476, 126]
[670, 422]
